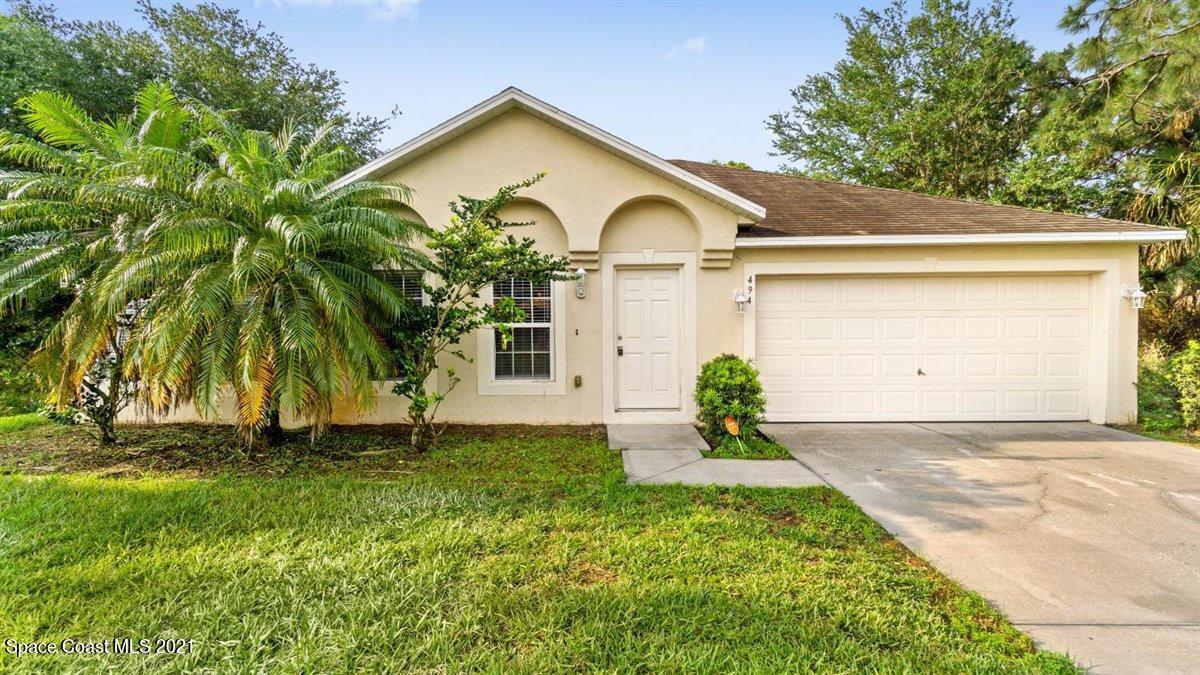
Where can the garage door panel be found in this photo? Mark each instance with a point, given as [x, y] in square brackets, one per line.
[1067, 290]
[857, 365]
[1066, 327]
[981, 290]
[924, 348]
[981, 404]
[900, 291]
[818, 328]
[1064, 365]
[858, 291]
[858, 328]
[985, 364]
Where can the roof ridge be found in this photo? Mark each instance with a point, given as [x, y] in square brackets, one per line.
[959, 200]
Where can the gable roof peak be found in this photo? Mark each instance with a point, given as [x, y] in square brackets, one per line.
[513, 97]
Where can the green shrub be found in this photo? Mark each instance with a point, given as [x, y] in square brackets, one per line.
[1185, 374]
[1158, 399]
[729, 386]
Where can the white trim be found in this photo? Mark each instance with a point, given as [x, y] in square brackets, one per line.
[515, 98]
[1104, 347]
[687, 263]
[1145, 236]
[486, 383]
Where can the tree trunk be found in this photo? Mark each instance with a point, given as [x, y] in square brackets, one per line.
[107, 428]
[273, 434]
[423, 436]
[105, 418]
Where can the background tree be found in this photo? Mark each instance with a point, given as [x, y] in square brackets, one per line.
[732, 163]
[471, 253]
[932, 102]
[206, 52]
[1137, 93]
[32, 58]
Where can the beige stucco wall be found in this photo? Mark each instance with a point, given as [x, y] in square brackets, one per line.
[590, 203]
[604, 211]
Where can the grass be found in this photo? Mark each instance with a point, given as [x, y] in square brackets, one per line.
[751, 447]
[1176, 435]
[514, 549]
[19, 422]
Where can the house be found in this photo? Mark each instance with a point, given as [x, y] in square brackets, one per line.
[857, 303]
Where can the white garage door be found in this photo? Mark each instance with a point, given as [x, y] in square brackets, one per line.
[911, 348]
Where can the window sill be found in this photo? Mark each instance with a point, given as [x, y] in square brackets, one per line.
[521, 388]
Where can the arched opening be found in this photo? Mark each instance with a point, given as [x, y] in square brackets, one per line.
[545, 228]
[409, 213]
[650, 222]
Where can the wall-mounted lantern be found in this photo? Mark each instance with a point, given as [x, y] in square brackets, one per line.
[581, 275]
[1135, 295]
[742, 300]
[743, 297]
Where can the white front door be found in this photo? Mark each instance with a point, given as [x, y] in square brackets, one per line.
[647, 339]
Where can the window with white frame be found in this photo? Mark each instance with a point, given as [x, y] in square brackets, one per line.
[407, 281]
[528, 355]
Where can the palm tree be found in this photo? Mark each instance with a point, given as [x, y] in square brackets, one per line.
[1170, 195]
[81, 198]
[263, 281]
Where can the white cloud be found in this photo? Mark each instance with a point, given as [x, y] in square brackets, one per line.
[395, 9]
[385, 10]
[696, 45]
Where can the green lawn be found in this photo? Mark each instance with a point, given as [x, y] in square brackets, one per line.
[19, 422]
[507, 549]
[1172, 435]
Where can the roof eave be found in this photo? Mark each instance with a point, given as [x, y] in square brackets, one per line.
[513, 97]
[1130, 236]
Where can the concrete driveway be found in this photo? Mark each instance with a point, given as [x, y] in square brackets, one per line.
[1086, 537]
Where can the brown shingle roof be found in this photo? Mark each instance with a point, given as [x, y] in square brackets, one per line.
[807, 207]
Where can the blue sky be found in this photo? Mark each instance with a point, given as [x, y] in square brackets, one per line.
[689, 80]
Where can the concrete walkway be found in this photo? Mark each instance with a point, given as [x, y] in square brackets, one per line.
[1087, 538]
[663, 454]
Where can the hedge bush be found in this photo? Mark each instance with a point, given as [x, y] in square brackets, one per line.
[729, 386]
[1157, 397]
[1185, 375]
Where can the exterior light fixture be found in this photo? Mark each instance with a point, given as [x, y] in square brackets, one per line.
[742, 300]
[581, 275]
[1135, 295]
[742, 297]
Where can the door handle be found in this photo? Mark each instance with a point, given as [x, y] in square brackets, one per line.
[620, 351]
[920, 372]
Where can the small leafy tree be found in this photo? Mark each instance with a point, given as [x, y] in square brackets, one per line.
[473, 252]
[728, 386]
[107, 389]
